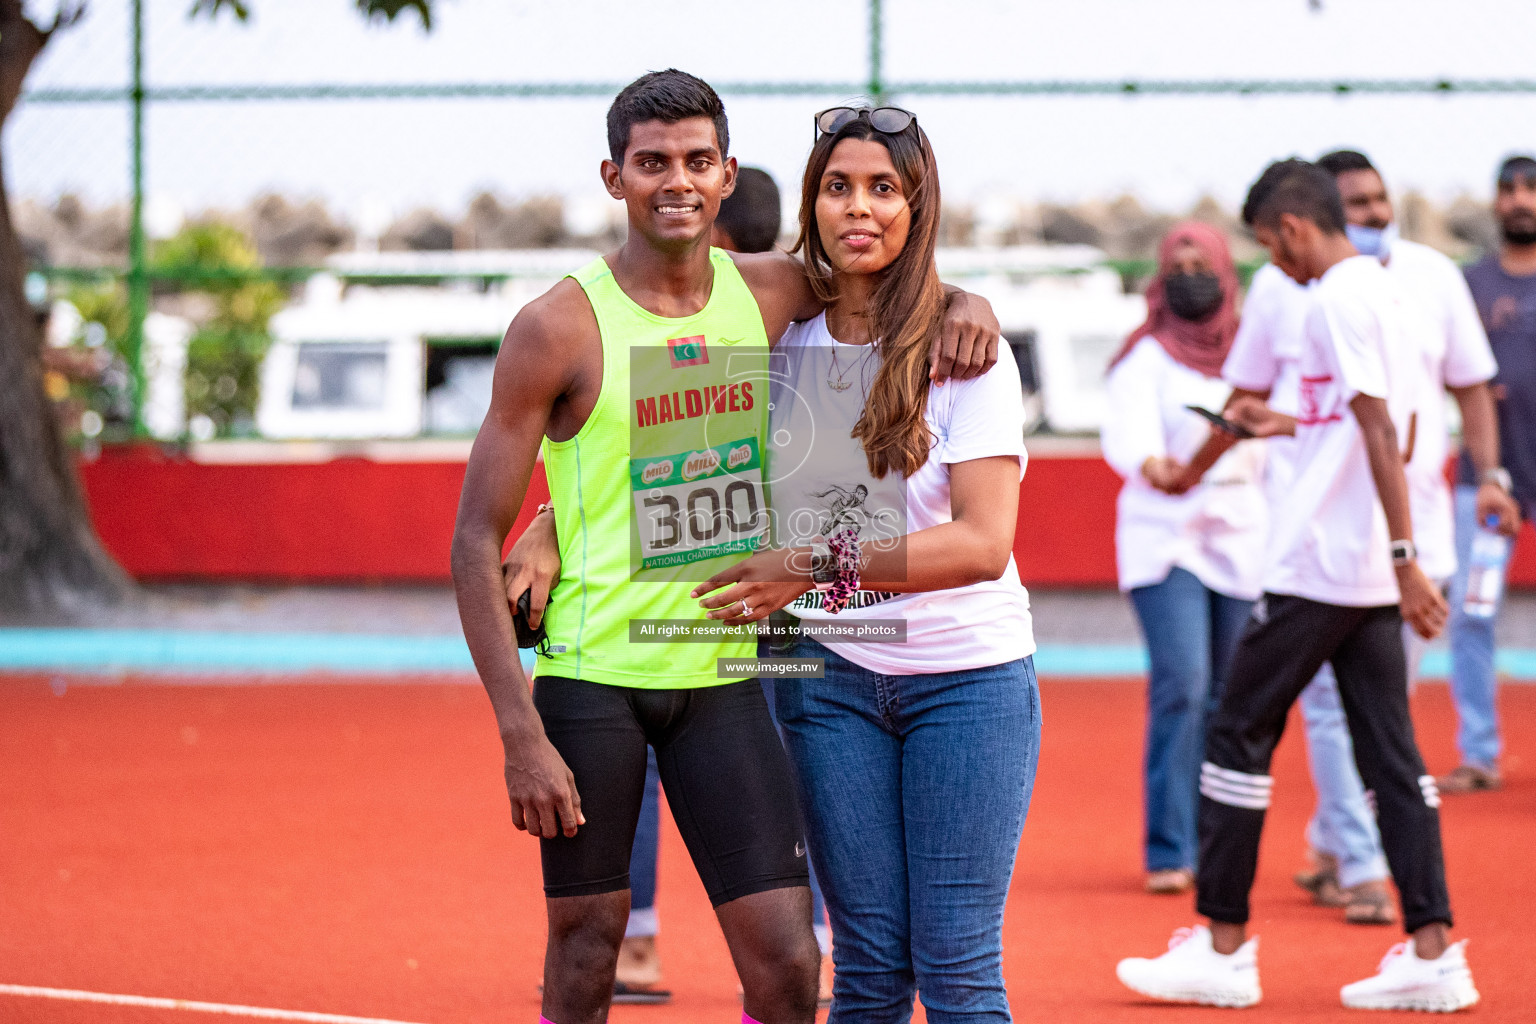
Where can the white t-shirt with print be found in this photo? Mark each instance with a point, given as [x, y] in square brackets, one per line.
[819, 481]
[1455, 353]
[1266, 356]
[1216, 529]
[1330, 542]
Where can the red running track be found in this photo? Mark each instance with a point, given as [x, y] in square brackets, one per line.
[345, 848]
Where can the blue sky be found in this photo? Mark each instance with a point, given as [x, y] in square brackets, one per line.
[377, 158]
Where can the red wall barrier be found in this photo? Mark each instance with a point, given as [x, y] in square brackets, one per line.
[165, 516]
[1066, 532]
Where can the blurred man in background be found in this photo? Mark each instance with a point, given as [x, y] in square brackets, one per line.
[1504, 287]
[749, 217]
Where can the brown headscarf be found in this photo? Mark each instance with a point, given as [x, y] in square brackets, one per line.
[1200, 345]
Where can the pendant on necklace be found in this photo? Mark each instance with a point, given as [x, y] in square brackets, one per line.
[839, 385]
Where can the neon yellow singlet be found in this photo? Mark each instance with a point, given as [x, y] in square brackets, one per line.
[662, 486]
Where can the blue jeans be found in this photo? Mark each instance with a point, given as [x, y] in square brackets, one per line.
[915, 790]
[643, 919]
[818, 901]
[1474, 688]
[642, 856]
[1342, 825]
[1191, 633]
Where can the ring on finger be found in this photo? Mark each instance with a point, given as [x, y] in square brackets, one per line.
[746, 609]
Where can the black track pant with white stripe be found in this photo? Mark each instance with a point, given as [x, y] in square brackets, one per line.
[1283, 645]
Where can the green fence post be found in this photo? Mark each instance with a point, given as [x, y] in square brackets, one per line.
[138, 276]
[876, 45]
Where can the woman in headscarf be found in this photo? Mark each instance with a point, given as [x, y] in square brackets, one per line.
[1190, 557]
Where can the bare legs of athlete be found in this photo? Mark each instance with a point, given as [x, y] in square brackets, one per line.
[768, 933]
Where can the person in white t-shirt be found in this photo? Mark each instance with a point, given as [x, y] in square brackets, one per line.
[894, 502]
[1341, 579]
[1455, 357]
[1190, 562]
[1348, 868]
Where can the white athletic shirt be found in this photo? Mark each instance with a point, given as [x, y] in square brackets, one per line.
[817, 470]
[1456, 354]
[1215, 530]
[1266, 356]
[1330, 542]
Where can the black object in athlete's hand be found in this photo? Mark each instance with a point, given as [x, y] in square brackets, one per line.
[527, 636]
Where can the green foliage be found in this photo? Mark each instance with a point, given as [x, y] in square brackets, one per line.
[211, 8]
[370, 9]
[104, 304]
[208, 248]
[91, 375]
[387, 9]
[207, 245]
[224, 355]
[223, 375]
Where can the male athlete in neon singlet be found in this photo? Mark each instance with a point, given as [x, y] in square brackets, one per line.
[576, 373]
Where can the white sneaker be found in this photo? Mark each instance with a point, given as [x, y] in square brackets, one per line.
[1405, 982]
[1193, 972]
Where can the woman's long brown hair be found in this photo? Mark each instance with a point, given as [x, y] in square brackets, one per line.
[908, 303]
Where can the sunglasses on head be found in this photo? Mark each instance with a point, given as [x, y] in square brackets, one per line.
[886, 120]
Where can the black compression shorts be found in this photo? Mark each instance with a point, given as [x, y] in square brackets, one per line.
[723, 768]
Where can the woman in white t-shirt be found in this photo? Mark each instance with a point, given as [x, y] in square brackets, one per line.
[1190, 561]
[894, 505]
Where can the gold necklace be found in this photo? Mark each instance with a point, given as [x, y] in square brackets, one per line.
[840, 384]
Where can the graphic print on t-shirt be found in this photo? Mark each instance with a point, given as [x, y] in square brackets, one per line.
[1331, 541]
[816, 469]
[819, 477]
[843, 508]
[1310, 405]
[840, 509]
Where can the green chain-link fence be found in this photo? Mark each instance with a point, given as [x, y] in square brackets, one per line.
[82, 115]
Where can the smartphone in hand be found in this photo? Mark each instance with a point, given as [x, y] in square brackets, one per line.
[527, 636]
[1223, 424]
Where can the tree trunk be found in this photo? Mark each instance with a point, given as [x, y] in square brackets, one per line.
[50, 557]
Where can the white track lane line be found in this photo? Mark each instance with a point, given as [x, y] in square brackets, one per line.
[229, 1009]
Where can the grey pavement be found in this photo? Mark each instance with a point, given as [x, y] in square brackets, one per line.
[392, 610]
[1089, 617]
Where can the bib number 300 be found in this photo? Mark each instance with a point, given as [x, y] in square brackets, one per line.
[696, 506]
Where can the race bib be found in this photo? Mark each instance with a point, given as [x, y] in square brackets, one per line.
[701, 504]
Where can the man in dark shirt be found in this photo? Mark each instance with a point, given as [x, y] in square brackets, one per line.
[1504, 286]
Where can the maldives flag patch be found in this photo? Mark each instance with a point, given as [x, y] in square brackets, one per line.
[687, 351]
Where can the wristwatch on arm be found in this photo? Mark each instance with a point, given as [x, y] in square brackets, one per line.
[1403, 553]
[823, 565]
[1499, 477]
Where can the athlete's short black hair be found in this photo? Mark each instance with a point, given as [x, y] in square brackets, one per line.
[751, 214]
[1297, 187]
[1342, 160]
[668, 96]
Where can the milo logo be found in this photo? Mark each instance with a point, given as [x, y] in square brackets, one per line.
[738, 456]
[701, 464]
[656, 471]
